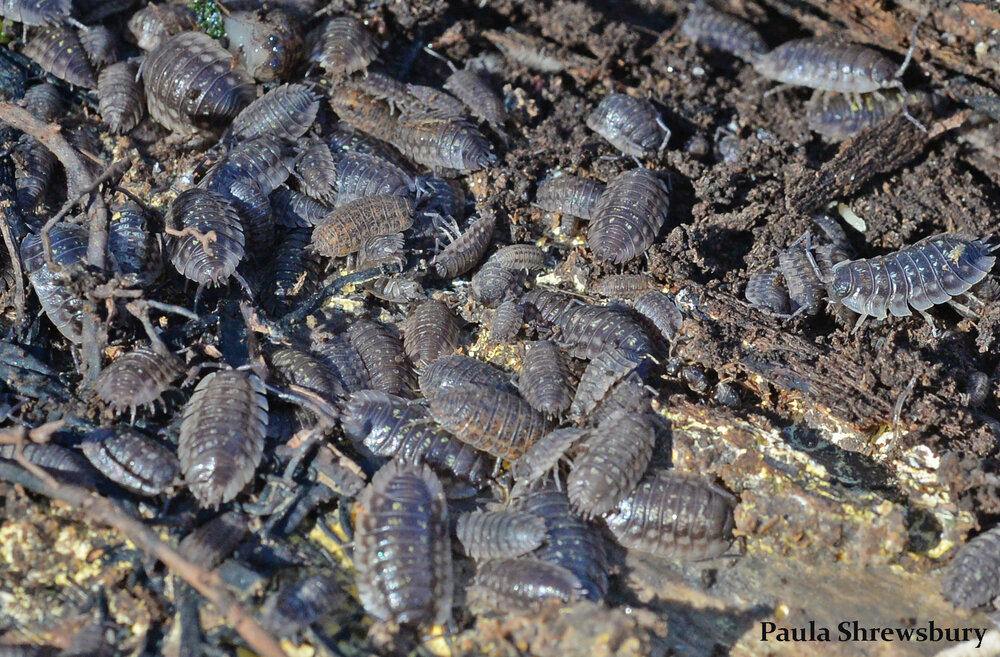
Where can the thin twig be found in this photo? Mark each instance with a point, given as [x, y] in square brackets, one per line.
[15, 262]
[205, 581]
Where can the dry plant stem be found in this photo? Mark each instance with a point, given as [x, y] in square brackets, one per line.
[204, 581]
[15, 261]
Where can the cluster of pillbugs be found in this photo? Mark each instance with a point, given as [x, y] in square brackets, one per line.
[297, 313]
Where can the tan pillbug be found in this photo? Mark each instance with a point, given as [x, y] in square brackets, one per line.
[121, 100]
[57, 49]
[430, 331]
[632, 125]
[345, 229]
[628, 216]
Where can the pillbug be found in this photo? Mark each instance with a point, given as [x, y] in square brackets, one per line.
[363, 174]
[264, 161]
[12, 80]
[287, 112]
[497, 422]
[197, 214]
[129, 240]
[294, 272]
[629, 396]
[344, 360]
[550, 304]
[44, 101]
[35, 162]
[518, 585]
[661, 311]
[344, 139]
[345, 229]
[138, 378]
[462, 254]
[222, 435]
[476, 93]
[69, 250]
[624, 286]
[674, 515]
[430, 331]
[603, 372]
[383, 249]
[828, 65]
[121, 101]
[628, 216]
[366, 112]
[318, 173]
[544, 379]
[36, 12]
[267, 43]
[527, 257]
[383, 356]
[493, 283]
[805, 289]
[64, 464]
[193, 84]
[839, 117]
[570, 541]
[544, 455]
[567, 194]
[766, 289]
[389, 426]
[131, 460]
[587, 331]
[449, 144]
[58, 51]
[152, 24]
[343, 46]
[432, 103]
[449, 372]
[298, 368]
[507, 321]
[921, 275]
[402, 551]
[100, 44]
[487, 535]
[718, 31]
[615, 456]
[972, 579]
[296, 210]
[440, 196]
[297, 606]
[632, 125]
[977, 389]
[214, 541]
[531, 52]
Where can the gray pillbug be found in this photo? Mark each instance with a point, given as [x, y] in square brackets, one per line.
[131, 460]
[805, 289]
[318, 173]
[296, 210]
[222, 435]
[193, 84]
[839, 117]
[300, 604]
[602, 374]
[287, 112]
[543, 457]
[661, 311]
[544, 379]
[100, 44]
[337, 352]
[197, 214]
[567, 194]
[497, 422]
[624, 286]
[44, 101]
[58, 51]
[138, 378]
[550, 304]
[493, 283]
[293, 273]
[506, 322]
[345, 229]
[432, 103]
[977, 389]
[674, 515]
[344, 139]
[449, 144]
[449, 372]
[152, 24]
[35, 165]
[383, 355]
[264, 161]
[477, 95]
[440, 196]
[614, 458]
[129, 240]
[120, 97]
[629, 396]
[921, 275]
[628, 216]
[69, 249]
[294, 367]
[430, 331]
[766, 289]
[487, 535]
[36, 12]
[519, 585]
[402, 551]
[342, 46]
[364, 174]
[587, 331]
[972, 579]
[570, 542]
[383, 249]
[526, 257]
[829, 65]
[462, 254]
[266, 42]
[718, 31]
[214, 541]
[64, 464]
[632, 125]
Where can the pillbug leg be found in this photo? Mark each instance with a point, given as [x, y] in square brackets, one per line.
[861, 320]
[775, 90]
[666, 133]
[935, 331]
[913, 45]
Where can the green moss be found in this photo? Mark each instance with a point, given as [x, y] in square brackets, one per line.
[209, 17]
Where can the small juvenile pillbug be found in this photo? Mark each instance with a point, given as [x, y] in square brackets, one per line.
[450, 371]
[602, 373]
[36, 12]
[222, 435]
[383, 249]
[432, 103]
[266, 42]
[318, 172]
[531, 52]
[566, 194]
[430, 331]
[58, 51]
[138, 378]
[294, 209]
[766, 289]
[805, 289]
[100, 44]
[337, 352]
[449, 144]
[674, 515]
[342, 46]
[632, 125]
[402, 550]
[590, 330]
[287, 112]
[383, 356]
[718, 31]
[487, 535]
[543, 457]
[462, 254]
[293, 273]
[977, 389]
[497, 422]
[199, 215]
[518, 585]
[506, 322]
[60, 303]
[299, 604]
[214, 541]
[154, 23]
[628, 216]
[829, 65]
[839, 117]
[544, 379]
[192, 84]
[120, 97]
[624, 286]
[614, 458]
[129, 239]
[366, 174]
[469, 87]
[921, 275]
[345, 229]
[972, 579]
[132, 460]
[294, 367]
[64, 464]
[661, 311]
